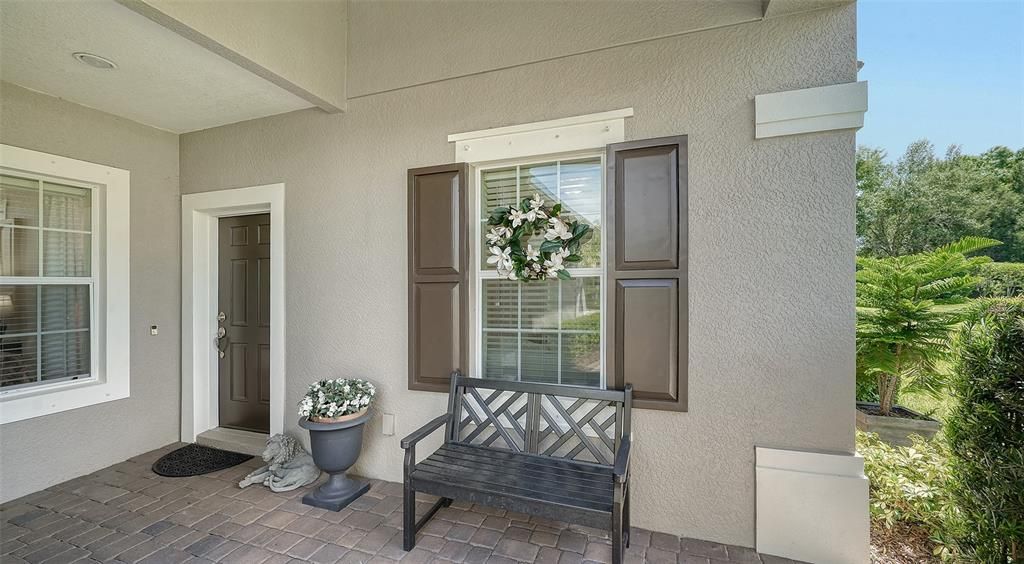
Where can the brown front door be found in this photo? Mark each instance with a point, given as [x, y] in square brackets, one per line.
[244, 322]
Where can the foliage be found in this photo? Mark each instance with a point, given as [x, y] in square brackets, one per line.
[562, 241]
[909, 486]
[585, 342]
[901, 335]
[334, 398]
[985, 431]
[923, 202]
[1001, 280]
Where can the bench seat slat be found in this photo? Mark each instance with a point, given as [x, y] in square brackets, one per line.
[506, 485]
[532, 465]
[554, 481]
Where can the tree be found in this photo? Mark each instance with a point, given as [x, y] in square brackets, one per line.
[901, 336]
[923, 202]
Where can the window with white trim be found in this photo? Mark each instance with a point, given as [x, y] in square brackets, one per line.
[47, 281]
[65, 283]
[549, 331]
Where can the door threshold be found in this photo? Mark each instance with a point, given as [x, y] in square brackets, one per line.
[234, 440]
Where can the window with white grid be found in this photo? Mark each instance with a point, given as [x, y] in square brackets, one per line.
[47, 281]
[550, 331]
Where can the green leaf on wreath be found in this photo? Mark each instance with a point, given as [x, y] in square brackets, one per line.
[573, 258]
[564, 275]
[556, 210]
[550, 246]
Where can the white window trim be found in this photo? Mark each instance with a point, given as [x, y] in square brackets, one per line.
[577, 133]
[477, 275]
[111, 295]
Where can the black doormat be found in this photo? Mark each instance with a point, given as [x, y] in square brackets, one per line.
[193, 460]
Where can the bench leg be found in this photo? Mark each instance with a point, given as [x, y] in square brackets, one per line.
[617, 540]
[408, 518]
[409, 503]
[625, 515]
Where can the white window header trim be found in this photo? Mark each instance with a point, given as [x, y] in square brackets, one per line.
[563, 135]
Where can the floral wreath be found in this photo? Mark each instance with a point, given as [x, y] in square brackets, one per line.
[561, 244]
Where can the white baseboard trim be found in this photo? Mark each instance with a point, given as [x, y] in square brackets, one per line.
[812, 506]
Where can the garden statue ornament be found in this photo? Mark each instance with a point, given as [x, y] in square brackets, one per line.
[288, 466]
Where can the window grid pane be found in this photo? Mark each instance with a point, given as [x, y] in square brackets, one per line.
[45, 325]
[549, 331]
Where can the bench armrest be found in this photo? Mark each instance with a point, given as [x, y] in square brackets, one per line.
[621, 469]
[419, 434]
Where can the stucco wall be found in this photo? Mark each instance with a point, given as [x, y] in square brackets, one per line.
[428, 41]
[37, 453]
[771, 237]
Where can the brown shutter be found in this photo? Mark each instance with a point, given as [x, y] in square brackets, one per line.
[438, 270]
[646, 268]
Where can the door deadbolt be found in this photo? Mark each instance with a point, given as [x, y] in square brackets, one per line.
[221, 317]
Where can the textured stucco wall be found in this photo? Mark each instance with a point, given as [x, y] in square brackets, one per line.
[37, 453]
[428, 41]
[771, 236]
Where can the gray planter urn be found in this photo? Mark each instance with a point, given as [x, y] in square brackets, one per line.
[893, 429]
[335, 449]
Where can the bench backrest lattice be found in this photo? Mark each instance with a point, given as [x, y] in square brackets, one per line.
[581, 424]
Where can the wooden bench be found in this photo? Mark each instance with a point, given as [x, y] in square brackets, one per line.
[559, 452]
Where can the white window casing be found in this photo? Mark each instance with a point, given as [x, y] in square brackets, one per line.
[109, 377]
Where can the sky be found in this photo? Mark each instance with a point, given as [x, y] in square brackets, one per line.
[951, 72]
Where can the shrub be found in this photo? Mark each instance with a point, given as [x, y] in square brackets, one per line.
[908, 486]
[985, 430]
[1001, 280]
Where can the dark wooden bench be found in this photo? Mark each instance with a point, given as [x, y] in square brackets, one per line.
[559, 452]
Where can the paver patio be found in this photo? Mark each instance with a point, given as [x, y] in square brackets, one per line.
[126, 513]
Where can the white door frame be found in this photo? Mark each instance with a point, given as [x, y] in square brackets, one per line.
[199, 362]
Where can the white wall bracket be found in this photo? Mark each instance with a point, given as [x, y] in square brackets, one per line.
[826, 108]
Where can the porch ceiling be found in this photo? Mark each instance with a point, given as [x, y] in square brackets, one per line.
[162, 80]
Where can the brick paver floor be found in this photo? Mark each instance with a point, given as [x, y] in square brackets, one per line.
[126, 513]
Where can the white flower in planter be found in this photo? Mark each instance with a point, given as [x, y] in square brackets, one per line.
[336, 398]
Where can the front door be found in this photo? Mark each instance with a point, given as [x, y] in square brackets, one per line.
[243, 322]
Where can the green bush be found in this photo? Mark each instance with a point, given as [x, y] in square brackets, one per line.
[985, 430]
[1001, 280]
[908, 486]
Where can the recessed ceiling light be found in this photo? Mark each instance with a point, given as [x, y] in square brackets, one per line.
[95, 61]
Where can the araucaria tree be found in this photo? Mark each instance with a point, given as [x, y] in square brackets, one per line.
[901, 335]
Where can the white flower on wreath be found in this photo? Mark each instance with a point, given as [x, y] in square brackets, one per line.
[507, 273]
[554, 264]
[500, 258]
[558, 230]
[531, 253]
[517, 217]
[498, 234]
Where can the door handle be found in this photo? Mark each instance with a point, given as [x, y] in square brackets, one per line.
[221, 342]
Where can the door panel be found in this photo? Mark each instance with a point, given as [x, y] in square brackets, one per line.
[244, 299]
